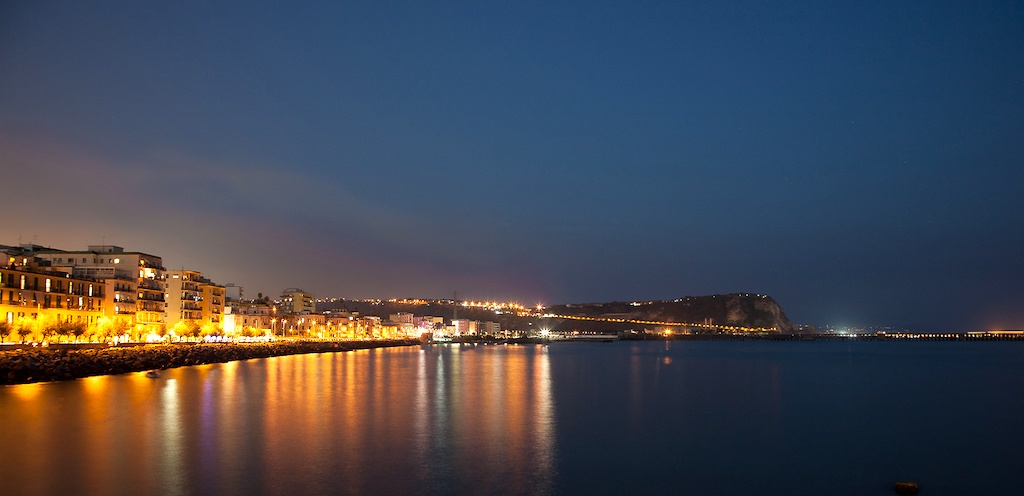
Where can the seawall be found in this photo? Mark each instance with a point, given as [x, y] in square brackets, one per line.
[20, 366]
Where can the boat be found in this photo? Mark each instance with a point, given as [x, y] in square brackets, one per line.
[152, 374]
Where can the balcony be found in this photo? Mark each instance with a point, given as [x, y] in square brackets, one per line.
[150, 284]
[150, 306]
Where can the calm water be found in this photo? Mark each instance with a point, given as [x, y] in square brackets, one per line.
[695, 418]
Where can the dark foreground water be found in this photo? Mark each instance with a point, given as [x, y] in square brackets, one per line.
[691, 418]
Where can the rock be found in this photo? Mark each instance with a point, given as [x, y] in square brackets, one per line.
[40, 364]
[907, 488]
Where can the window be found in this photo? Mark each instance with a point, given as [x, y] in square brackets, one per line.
[22, 282]
[90, 290]
[47, 284]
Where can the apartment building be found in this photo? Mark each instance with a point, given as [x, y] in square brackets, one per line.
[133, 280]
[189, 296]
[295, 300]
[254, 314]
[32, 292]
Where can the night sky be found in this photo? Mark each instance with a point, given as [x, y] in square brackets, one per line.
[861, 161]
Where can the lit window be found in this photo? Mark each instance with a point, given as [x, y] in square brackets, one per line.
[117, 260]
[90, 290]
[47, 284]
[22, 282]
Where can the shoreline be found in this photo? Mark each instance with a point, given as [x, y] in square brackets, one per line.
[32, 365]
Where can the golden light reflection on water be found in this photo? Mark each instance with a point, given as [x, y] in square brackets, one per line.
[493, 415]
[415, 420]
[171, 459]
[26, 392]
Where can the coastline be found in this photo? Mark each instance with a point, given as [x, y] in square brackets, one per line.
[29, 365]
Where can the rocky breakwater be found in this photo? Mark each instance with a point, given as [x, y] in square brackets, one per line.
[21, 366]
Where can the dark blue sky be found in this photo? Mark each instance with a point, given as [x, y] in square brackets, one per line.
[861, 162]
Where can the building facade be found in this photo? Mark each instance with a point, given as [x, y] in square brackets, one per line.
[295, 300]
[31, 293]
[135, 292]
[37, 301]
[191, 298]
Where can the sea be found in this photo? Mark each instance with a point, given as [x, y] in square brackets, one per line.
[625, 417]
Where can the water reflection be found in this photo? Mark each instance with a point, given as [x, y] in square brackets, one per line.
[695, 418]
[172, 454]
[431, 420]
[485, 418]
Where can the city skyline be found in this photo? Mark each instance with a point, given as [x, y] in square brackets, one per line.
[858, 162]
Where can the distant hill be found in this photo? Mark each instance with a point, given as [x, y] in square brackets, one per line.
[741, 310]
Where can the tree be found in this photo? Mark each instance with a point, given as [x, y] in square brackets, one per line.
[120, 327]
[78, 329]
[102, 328]
[24, 329]
[210, 329]
[48, 331]
[162, 332]
[187, 328]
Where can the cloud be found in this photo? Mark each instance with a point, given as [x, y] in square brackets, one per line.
[258, 224]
